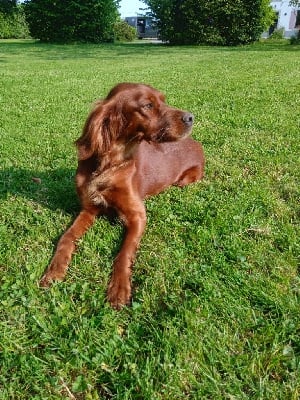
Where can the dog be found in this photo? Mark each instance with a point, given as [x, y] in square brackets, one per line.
[133, 145]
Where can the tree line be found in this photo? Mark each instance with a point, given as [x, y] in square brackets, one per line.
[93, 21]
[217, 22]
[12, 20]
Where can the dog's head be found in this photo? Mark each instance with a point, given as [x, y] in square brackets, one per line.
[130, 113]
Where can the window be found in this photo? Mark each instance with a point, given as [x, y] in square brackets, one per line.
[297, 23]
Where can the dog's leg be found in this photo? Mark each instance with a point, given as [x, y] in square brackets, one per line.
[66, 246]
[119, 289]
[193, 174]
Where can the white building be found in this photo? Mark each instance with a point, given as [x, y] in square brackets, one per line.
[288, 18]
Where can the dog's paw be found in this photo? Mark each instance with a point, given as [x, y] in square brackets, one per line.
[119, 293]
[53, 273]
[45, 281]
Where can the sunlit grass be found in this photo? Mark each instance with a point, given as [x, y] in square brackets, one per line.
[215, 312]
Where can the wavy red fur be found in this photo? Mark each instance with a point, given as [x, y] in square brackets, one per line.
[133, 145]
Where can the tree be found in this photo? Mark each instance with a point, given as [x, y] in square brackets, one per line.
[12, 20]
[220, 22]
[72, 20]
[295, 3]
[8, 6]
[124, 32]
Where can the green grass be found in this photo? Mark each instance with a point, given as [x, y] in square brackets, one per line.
[216, 281]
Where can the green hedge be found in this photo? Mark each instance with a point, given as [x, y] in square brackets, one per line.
[72, 20]
[124, 32]
[13, 26]
[218, 22]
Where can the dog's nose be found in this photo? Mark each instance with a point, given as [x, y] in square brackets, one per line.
[188, 119]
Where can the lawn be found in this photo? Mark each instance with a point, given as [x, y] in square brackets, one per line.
[215, 312]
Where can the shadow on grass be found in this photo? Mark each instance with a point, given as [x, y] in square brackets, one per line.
[106, 51]
[49, 51]
[54, 189]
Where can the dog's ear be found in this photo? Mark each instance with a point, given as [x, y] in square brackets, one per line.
[102, 127]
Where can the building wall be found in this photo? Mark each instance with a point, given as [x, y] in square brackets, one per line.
[286, 17]
[143, 26]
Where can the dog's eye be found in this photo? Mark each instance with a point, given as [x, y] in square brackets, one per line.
[148, 106]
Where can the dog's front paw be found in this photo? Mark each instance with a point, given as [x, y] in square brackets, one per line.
[53, 273]
[45, 281]
[119, 292]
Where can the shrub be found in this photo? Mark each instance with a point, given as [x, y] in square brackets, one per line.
[13, 25]
[124, 32]
[277, 34]
[72, 21]
[216, 22]
[295, 39]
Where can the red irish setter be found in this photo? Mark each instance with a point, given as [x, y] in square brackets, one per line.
[133, 145]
